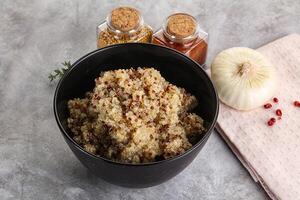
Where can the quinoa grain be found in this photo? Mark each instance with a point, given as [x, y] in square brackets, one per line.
[123, 121]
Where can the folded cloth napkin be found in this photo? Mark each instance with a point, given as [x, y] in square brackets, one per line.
[271, 154]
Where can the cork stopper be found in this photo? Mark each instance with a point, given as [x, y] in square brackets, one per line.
[125, 19]
[181, 25]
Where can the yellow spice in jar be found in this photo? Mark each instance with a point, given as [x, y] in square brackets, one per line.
[123, 24]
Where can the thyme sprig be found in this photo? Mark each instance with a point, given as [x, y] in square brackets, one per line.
[58, 73]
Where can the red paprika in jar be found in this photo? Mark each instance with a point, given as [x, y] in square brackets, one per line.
[181, 31]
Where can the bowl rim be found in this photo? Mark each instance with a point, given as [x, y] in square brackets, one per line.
[67, 136]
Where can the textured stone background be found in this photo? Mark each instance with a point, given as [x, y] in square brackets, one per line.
[36, 35]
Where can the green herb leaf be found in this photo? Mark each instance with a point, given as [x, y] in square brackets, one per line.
[58, 73]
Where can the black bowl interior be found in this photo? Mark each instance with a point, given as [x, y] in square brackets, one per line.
[174, 67]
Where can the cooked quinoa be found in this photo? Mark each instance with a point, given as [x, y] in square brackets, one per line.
[134, 116]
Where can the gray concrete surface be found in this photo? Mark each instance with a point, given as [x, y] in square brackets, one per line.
[36, 35]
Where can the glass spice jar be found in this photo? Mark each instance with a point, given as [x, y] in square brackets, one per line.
[181, 31]
[122, 25]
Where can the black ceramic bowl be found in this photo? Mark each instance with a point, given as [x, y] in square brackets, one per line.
[174, 67]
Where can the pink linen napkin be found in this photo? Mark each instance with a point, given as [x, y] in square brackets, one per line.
[271, 154]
